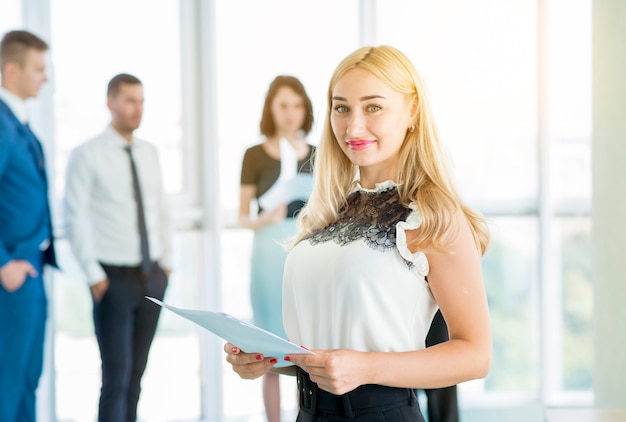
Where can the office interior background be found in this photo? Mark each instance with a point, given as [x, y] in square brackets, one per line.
[522, 96]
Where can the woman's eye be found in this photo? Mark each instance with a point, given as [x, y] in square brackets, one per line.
[341, 109]
[373, 108]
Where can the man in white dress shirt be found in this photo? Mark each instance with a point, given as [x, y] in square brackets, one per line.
[118, 226]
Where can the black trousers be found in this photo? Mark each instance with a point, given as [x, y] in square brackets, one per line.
[125, 323]
[442, 402]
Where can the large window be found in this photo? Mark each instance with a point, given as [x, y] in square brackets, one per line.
[485, 96]
[11, 17]
[487, 101]
[270, 38]
[142, 38]
[138, 37]
[479, 61]
[569, 174]
[510, 83]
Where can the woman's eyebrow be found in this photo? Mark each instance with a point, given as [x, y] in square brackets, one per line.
[364, 98]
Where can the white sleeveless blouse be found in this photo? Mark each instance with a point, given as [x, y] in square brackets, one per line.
[355, 285]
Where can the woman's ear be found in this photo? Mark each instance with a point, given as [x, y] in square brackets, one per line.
[414, 110]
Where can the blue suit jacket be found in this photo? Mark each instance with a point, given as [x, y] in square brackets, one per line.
[25, 221]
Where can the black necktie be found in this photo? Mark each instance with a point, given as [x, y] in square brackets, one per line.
[143, 232]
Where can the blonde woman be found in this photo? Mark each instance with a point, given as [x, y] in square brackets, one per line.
[383, 242]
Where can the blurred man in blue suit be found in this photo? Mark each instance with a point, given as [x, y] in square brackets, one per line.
[26, 242]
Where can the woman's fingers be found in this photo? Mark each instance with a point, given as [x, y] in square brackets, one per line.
[231, 348]
[248, 365]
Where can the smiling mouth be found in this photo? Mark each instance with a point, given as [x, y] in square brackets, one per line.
[360, 144]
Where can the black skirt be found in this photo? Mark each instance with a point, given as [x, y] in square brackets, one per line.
[367, 403]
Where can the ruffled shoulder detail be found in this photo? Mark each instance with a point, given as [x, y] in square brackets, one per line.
[418, 259]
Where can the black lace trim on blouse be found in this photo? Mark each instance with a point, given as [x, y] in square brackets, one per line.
[367, 216]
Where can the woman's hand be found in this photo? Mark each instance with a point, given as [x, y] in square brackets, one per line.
[265, 218]
[275, 216]
[336, 371]
[248, 365]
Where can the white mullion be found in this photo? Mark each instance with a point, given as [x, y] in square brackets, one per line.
[189, 65]
[367, 22]
[207, 143]
[36, 18]
[548, 319]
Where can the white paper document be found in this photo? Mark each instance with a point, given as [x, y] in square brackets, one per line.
[249, 338]
[296, 188]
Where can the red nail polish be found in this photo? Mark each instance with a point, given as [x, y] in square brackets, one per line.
[273, 360]
[287, 358]
[259, 357]
[235, 350]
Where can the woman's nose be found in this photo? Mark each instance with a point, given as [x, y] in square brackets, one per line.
[356, 125]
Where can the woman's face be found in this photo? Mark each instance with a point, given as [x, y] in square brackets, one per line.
[288, 110]
[370, 120]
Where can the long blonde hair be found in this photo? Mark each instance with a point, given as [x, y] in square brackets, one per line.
[422, 174]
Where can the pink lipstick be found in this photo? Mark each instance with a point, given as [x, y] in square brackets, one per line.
[360, 144]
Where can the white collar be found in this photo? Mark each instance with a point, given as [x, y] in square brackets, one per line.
[15, 103]
[380, 187]
[119, 139]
